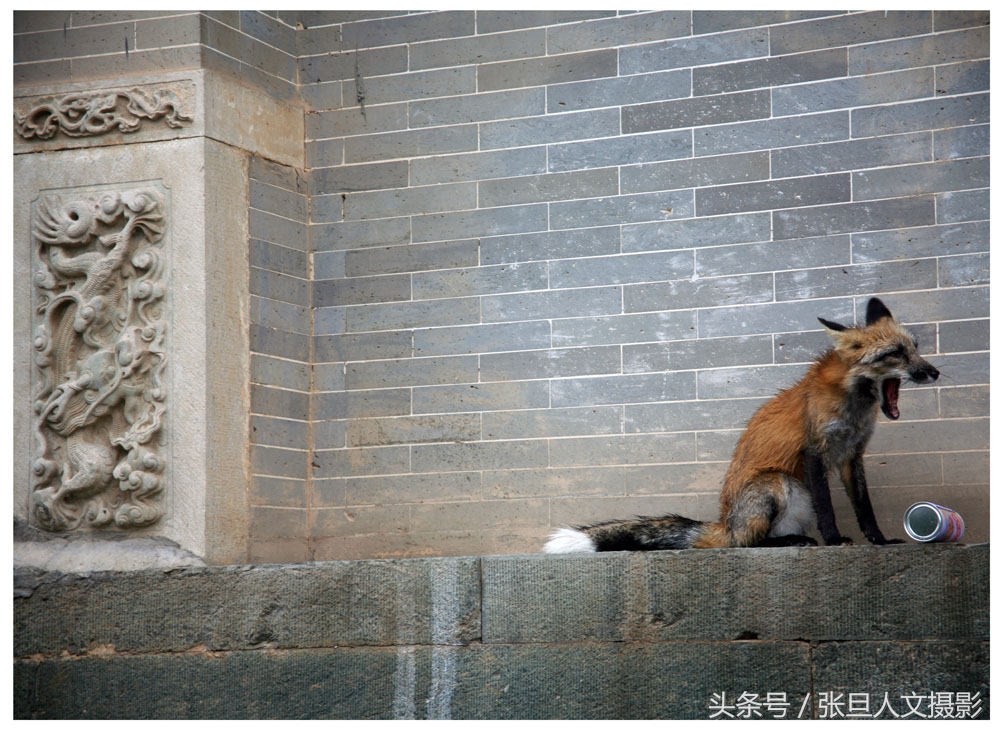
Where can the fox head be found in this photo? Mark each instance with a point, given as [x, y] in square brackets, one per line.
[882, 351]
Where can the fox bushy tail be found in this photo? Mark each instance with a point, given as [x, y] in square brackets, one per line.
[669, 532]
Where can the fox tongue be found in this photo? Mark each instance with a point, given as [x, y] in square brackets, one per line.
[890, 398]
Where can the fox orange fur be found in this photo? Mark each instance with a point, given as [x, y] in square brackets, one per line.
[776, 485]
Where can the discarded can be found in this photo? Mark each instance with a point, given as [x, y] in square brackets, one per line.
[929, 522]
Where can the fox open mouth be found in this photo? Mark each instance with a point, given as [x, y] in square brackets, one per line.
[890, 398]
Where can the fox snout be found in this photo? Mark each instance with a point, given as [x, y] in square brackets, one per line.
[923, 371]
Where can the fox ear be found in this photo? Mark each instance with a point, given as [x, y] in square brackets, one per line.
[832, 325]
[876, 311]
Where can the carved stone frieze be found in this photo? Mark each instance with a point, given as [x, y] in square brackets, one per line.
[99, 327]
[87, 114]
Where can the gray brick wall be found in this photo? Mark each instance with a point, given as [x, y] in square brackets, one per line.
[562, 257]
[541, 267]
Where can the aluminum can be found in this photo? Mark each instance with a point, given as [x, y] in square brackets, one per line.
[929, 522]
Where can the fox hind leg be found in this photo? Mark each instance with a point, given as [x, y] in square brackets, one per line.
[772, 511]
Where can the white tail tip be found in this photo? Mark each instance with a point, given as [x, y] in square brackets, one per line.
[567, 540]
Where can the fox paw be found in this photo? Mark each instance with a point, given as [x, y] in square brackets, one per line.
[840, 541]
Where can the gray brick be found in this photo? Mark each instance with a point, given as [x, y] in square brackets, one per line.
[404, 315]
[550, 423]
[329, 321]
[411, 143]
[269, 341]
[774, 256]
[940, 304]
[603, 270]
[411, 86]
[278, 522]
[413, 257]
[848, 30]
[963, 78]
[548, 129]
[368, 346]
[769, 72]
[481, 338]
[281, 432]
[624, 328]
[478, 166]
[909, 243]
[622, 450]
[962, 142]
[348, 122]
[963, 206]
[270, 461]
[547, 70]
[268, 401]
[361, 404]
[966, 434]
[624, 150]
[410, 372]
[715, 21]
[701, 415]
[621, 209]
[495, 21]
[931, 50]
[853, 92]
[920, 115]
[285, 232]
[772, 133]
[319, 68]
[853, 217]
[954, 19]
[479, 455]
[482, 48]
[855, 279]
[483, 222]
[685, 293]
[408, 29]
[413, 429]
[618, 91]
[275, 314]
[285, 373]
[620, 31]
[697, 354]
[851, 155]
[330, 265]
[696, 112]
[477, 107]
[697, 232]
[673, 478]
[361, 462]
[767, 318]
[481, 397]
[964, 270]
[966, 402]
[328, 376]
[931, 177]
[450, 487]
[699, 50]
[326, 152]
[613, 389]
[560, 482]
[358, 234]
[73, 42]
[552, 363]
[551, 245]
[697, 172]
[542, 188]
[971, 336]
[480, 280]
[363, 290]
[264, 170]
[747, 382]
[355, 178]
[270, 256]
[409, 201]
[786, 193]
[552, 304]
[274, 492]
[279, 287]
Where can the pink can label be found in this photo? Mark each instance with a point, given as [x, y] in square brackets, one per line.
[929, 522]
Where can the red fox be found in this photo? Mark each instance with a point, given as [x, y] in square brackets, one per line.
[776, 485]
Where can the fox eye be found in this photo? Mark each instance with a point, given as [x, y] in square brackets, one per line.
[894, 352]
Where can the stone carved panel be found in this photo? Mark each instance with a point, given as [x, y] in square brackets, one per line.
[91, 113]
[99, 327]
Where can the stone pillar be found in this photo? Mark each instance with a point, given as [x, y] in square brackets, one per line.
[131, 297]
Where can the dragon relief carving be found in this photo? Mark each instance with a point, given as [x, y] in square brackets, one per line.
[96, 112]
[99, 358]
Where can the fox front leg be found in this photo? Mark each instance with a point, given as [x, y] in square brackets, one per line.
[819, 490]
[853, 476]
